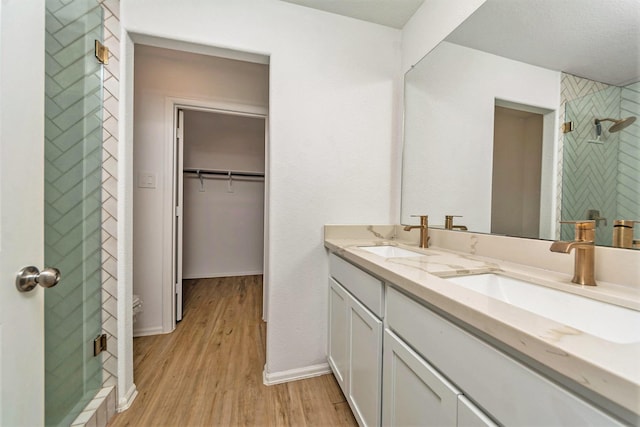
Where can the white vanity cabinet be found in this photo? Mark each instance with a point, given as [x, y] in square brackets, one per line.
[414, 393]
[506, 390]
[470, 416]
[355, 338]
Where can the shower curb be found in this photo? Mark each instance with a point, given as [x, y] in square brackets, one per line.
[99, 411]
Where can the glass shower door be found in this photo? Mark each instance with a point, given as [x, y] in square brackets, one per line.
[73, 160]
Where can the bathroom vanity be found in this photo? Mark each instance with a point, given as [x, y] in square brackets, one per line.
[409, 346]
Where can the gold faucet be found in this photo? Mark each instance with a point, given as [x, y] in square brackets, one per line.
[448, 223]
[623, 233]
[584, 245]
[424, 230]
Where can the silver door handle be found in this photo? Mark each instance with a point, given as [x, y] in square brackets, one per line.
[29, 277]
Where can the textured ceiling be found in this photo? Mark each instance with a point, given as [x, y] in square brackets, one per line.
[596, 39]
[392, 13]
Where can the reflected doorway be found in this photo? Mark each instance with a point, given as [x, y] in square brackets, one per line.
[517, 166]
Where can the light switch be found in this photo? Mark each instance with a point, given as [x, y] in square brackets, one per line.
[146, 180]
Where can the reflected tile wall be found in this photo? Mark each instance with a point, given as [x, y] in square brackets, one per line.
[620, 200]
[629, 160]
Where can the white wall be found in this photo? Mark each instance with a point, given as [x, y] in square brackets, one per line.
[223, 219]
[162, 75]
[333, 93]
[448, 166]
[224, 141]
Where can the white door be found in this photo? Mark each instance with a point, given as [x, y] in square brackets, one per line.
[21, 210]
[178, 223]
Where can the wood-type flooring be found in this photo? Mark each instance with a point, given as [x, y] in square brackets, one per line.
[208, 372]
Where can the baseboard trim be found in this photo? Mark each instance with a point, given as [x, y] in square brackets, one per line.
[271, 378]
[148, 331]
[125, 402]
[227, 274]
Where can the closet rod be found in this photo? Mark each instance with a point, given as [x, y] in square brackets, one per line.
[223, 172]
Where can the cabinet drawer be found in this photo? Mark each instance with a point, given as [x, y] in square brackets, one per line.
[509, 391]
[366, 288]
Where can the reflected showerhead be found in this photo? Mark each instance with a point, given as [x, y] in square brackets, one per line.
[618, 124]
[621, 124]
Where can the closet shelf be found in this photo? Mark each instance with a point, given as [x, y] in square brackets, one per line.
[231, 173]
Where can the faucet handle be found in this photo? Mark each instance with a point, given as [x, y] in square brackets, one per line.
[623, 233]
[448, 221]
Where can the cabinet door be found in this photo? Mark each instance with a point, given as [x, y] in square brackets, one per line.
[470, 416]
[338, 332]
[414, 393]
[502, 385]
[365, 364]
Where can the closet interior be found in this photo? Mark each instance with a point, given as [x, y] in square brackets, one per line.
[223, 194]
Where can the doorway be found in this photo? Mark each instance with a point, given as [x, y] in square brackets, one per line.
[206, 88]
[516, 176]
[220, 194]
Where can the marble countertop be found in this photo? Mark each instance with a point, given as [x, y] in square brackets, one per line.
[610, 369]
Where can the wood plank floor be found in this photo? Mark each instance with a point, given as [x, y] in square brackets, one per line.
[208, 372]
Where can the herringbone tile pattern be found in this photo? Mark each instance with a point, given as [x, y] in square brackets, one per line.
[629, 160]
[73, 159]
[602, 176]
[590, 169]
[571, 88]
[109, 188]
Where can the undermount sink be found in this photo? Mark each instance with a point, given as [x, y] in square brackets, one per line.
[388, 251]
[607, 321]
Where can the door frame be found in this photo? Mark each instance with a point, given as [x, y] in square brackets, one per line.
[170, 254]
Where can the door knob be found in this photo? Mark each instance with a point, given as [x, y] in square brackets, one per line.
[29, 277]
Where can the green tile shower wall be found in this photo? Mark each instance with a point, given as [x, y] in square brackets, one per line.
[628, 186]
[606, 176]
[590, 169]
[73, 206]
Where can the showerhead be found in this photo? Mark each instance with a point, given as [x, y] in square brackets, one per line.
[621, 124]
[618, 124]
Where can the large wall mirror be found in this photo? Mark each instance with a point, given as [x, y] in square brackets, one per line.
[484, 113]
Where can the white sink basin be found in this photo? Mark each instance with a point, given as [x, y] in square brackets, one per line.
[390, 251]
[607, 321]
